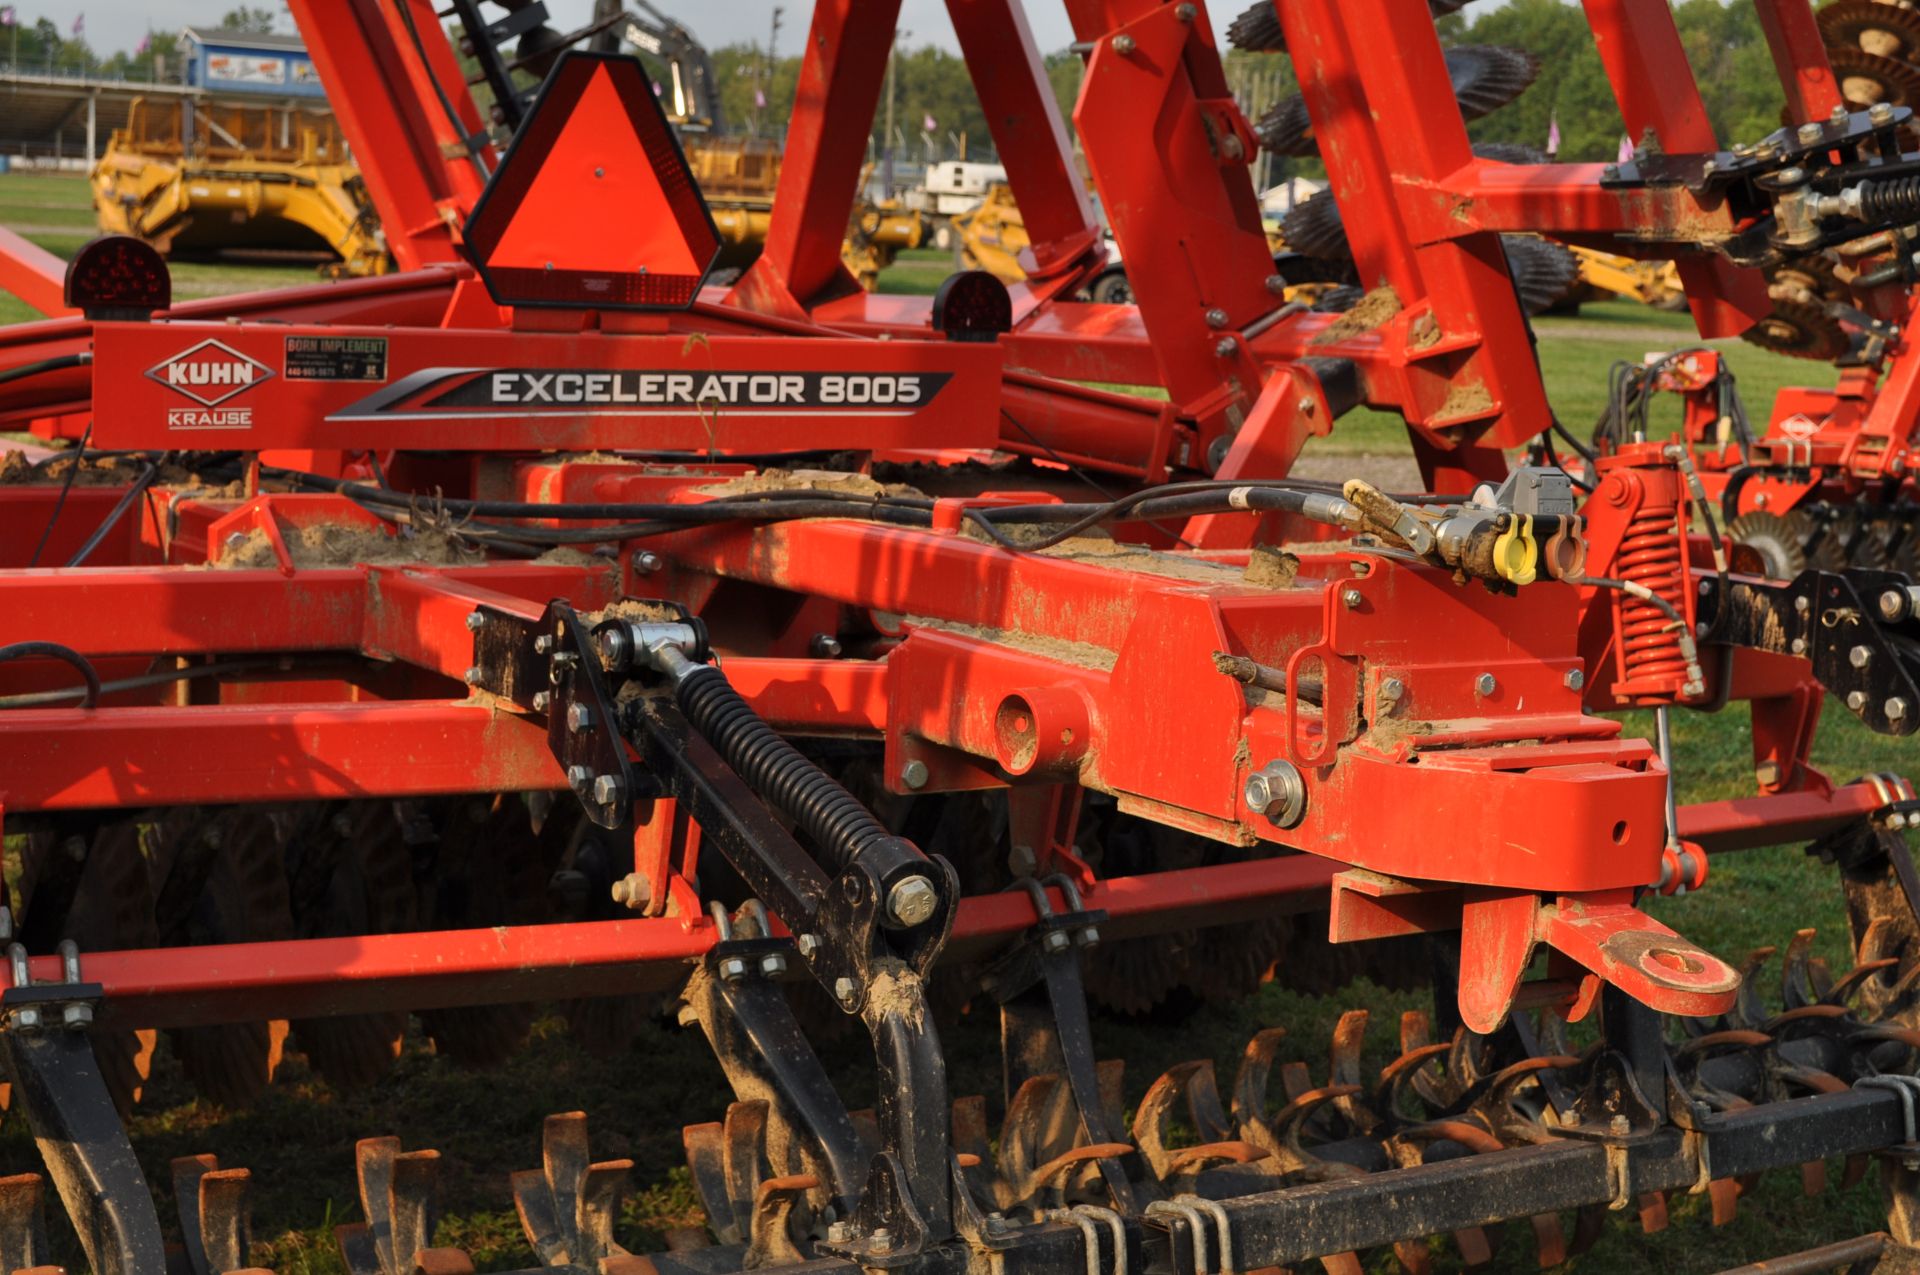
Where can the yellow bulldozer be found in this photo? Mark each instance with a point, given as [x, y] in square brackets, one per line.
[209, 177]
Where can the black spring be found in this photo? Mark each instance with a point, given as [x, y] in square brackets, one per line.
[1897, 200]
[832, 817]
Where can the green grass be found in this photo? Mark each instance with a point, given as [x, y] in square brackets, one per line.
[298, 1139]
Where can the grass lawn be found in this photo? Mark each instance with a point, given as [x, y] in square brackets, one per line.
[298, 1140]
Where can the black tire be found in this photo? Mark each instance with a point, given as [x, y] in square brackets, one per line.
[1113, 288]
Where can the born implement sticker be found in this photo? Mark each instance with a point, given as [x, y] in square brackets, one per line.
[629, 392]
[336, 358]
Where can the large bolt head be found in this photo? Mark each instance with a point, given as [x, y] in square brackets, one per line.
[839, 1233]
[1856, 700]
[646, 562]
[914, 774]
[808, 945]
[1893, 604]
[1896, 708]
[773, 965]
[733, 969]
[607, 790]
[1860, 656]
[1056, 941]
[1880, 113]
[1277, 791]
[77, 1018]
[475, 621]
[579, 717]
[844, 991]
[912, 901]
[1575, 679]
[579, 776]
[1485, 684]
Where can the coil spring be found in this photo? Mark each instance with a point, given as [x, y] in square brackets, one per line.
[1651, 554]
[1890, 200]
[832, 817]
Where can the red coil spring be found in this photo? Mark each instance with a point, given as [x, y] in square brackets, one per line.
[1651, 554]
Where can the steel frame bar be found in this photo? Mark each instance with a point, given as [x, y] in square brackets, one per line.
[33, 274]
[301, 978]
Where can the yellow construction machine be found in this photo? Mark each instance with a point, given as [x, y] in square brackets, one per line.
[210, 177]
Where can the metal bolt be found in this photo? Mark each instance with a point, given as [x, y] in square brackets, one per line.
[824, 646]
[1276, 284]
[1798, 646]
[1123, 44]
[475, 622]
[773, 965]
[1351, 599]
[912, 900]
[77, 1018]
[1893, 604]
[996, 1224]
[881, 1240]
[1706, 587]
[1224, 347]
[914, 774]
[579, 717]
[1184, 12]
[1574, 680]
[1808, 134]
[26, 1019]
[1090, 936]
[646, 562]
[1860, 656]
[733, 969]
[541, 699]
[1896, 708]
[599, 172]
[633, 891]
[844, 990]
[1485, 684]
[1610, 173]
[1387, 699]
[1277, 791]
[607, 790]
[1856, 700]
[839, 1233]
[1619, 1126]
[472, 676]
[1216, 318]
[543, 644]
[579, 776]
[1306, 406]
[1838, 115]
[1767, 773]
[1056, 941]
[1792, 176]
[808, 945]
[1880, 114]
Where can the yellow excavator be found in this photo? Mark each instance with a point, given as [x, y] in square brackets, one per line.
[218, 177]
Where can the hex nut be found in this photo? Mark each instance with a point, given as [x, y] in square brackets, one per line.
[1056, 941]
[475, 621]
[1575, 679]
[579, 776]
[1485, 684]
[844, 991]
[607, 790]
[733, 968]
[1860, 656]
[1896, 708]
[1856, 700]
[914, 774]
[773, 965]
[579, 717]
[77, 1017]
[808, 945]
[1277, 791]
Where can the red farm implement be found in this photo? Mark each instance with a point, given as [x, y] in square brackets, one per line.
[536, 625]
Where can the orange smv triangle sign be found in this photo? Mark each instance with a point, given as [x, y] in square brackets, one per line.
[595, 203]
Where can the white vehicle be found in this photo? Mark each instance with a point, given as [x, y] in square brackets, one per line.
[954, 186]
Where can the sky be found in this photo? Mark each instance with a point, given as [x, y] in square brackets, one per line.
[113, 25]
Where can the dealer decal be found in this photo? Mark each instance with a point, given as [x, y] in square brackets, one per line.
[210, 374]
[629, 392]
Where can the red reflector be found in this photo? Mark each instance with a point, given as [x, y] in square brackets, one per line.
[118, 277]
[593, 206]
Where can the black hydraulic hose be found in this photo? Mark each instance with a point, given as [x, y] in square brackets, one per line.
[55, 651]
[60, 501]
[107, 524]
[38, 366]
[833, 818]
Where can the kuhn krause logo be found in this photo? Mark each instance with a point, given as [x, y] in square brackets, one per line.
[494, 391]
[210, 373]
